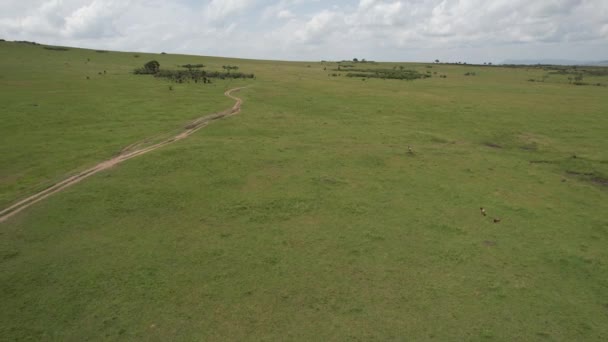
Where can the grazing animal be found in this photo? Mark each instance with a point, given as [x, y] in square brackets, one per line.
[483, 211]
[496, 220]
[409, 150]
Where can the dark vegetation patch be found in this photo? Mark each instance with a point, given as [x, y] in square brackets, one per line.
[439, 140]
[578, 173]
[603, 181]
[357, 60]
[26, 42]
[191, 66]
[489, 243]
[592, 177]
[56, 48]
[325, 180]
[574, 70]
[529, 147]
[392, 74]
[575, 74]
[492, 145]
[181, 76]
[543, 334]
[542, 162]
[192, 74]
[8, 255]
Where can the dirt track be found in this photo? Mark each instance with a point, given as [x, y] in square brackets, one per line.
[127, 153]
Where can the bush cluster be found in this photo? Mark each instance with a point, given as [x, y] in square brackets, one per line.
[191, 66]
[26, 42]
[192, 74]
[181, 76]
[56, 48]
[393, 74]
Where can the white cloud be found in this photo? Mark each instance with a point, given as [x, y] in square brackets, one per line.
[67, 19]
[285, 14]
[94, 20]
[220, 9]
[319, 27]
[310, 29]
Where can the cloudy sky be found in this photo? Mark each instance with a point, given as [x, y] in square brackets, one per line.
[385, 30]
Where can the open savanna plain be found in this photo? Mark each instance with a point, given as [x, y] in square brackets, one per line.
[304, 217]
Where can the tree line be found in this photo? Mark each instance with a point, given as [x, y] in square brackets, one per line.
[193, 73]
[393, 74]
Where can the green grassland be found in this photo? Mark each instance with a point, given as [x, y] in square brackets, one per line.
[304, 217]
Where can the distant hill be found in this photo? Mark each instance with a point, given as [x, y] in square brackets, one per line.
[554, 62]
[600, 63]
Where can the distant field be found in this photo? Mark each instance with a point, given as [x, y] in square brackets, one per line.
[304, 217]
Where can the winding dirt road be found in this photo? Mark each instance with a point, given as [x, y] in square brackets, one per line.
[127, 153]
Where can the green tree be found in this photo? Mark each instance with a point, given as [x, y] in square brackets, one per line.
[152, 67]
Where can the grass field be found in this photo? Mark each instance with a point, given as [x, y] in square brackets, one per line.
[304, 217]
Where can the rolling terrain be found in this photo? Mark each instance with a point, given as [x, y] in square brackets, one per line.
[305, 217]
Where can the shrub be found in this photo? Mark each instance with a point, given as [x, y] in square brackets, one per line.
[152, 67]
[181, 76]
[26, 42]
[191, 66]
[230, 67]
[394, 74]
[192, 74]
[56, 48]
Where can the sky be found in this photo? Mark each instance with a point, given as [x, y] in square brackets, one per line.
[472, 31]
